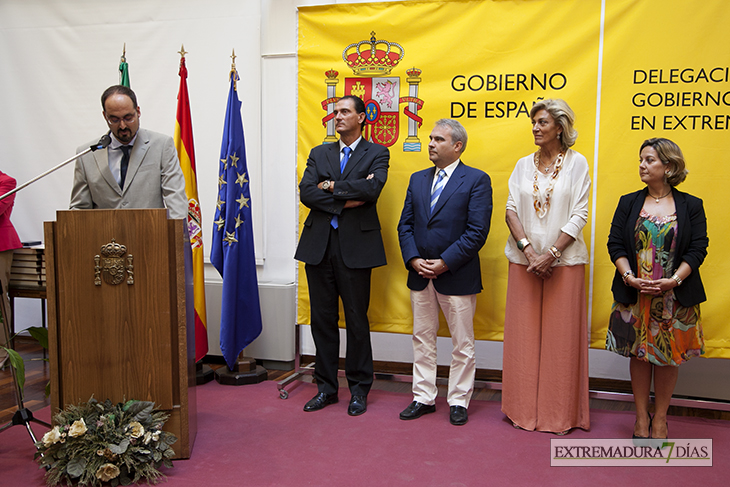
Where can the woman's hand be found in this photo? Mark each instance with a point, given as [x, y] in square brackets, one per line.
[649, 286]
[539, 264]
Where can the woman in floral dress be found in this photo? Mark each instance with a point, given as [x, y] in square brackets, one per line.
[658, 241]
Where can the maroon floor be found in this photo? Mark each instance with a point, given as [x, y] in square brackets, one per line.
[247, 436]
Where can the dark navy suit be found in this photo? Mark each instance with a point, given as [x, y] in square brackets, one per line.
[454, 232]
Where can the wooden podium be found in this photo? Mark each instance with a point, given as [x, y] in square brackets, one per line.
[120, 313]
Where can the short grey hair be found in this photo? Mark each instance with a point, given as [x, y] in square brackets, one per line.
[458, 132]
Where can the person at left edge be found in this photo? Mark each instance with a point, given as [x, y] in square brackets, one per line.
[340, 244]
[9, 241]
[153, 176]
[444, 223]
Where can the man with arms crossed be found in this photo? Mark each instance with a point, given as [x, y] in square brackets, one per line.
[340, 244]
[445, 221]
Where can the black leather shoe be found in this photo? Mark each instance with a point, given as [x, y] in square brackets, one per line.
[320, 401]
[358, 405]
[458, 415]
[416, 410]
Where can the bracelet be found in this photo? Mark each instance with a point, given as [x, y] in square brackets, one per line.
[626, 275]
[677, 278]
[523, 243]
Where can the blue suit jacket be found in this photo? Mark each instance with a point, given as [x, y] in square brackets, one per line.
[455, 231]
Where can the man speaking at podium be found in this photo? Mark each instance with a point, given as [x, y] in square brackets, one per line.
[139, 168]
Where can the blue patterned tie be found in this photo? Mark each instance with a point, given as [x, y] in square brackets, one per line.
[343, 163]
[437, 188]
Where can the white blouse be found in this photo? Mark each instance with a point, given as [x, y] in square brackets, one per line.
[568, 211]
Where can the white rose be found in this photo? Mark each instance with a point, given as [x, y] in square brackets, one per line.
[51, 437]
[78, 428]
[107, 472]
[137, 429]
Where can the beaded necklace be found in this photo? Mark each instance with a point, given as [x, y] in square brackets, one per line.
[541, 207]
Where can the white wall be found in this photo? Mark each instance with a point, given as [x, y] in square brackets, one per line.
[57, 58]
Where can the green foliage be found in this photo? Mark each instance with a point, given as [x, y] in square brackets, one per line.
[40, 334]
[17, 362]
[94, 443]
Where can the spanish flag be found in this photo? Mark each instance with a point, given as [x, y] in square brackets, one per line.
[186, 154]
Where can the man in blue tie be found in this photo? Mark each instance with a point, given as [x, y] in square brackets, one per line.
[444, 223]
[340, 244]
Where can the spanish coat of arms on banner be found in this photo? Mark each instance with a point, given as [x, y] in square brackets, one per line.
[372, 62]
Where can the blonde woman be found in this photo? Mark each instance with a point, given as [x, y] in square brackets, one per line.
[545, 360]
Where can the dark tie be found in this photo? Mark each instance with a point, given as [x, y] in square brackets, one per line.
[335, 220]
[437, 188]
[125, 163]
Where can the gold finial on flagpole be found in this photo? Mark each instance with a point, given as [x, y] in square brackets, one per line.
[182, 50]
[124, 53]
[233, 69]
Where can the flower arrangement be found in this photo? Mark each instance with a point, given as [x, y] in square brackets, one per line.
[96, 442]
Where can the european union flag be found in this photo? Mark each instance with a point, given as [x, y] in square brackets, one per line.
[233, 250]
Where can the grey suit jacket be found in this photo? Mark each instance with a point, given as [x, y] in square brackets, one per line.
[154, 178]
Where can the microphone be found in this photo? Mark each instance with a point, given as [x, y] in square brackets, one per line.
[103, 142]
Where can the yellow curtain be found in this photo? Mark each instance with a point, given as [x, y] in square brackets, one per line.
[622, 65]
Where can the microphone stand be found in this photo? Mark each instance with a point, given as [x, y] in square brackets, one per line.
[103, 142]
[24, 416]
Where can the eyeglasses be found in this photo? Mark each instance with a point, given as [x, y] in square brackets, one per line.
[127, 119]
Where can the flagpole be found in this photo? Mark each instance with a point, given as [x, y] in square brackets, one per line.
[232, 252]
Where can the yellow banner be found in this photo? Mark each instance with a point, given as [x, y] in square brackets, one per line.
[485, 63]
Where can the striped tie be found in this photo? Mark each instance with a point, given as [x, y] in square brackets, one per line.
[437, 188]
[335, 220]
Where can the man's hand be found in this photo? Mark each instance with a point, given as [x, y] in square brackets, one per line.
[429, 268]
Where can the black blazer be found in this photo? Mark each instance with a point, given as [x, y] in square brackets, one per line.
[691, 245]
[361, 243]
[454, 232]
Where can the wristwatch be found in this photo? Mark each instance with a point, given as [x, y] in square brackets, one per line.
[326, 185]
[523, 243]
[555, 252]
